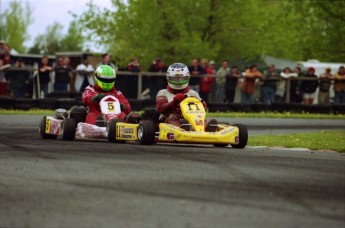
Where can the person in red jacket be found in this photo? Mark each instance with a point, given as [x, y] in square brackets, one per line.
[168, 100]
[104, 85]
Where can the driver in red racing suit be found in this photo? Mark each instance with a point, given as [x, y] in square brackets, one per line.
[168, 100]
[104, 85]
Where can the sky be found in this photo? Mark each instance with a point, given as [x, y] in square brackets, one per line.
[46, 12]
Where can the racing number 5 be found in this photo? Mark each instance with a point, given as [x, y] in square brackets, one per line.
[111, 107]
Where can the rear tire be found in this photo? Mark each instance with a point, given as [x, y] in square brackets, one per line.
[243, 136]
[146, 132]
[69, 129]
[112, 131]
[42, 130]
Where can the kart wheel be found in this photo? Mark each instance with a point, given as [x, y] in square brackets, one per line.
[78, 113]
[69, 129]
[112, 131]
[146, 132]
[243, 136]
[42, 130]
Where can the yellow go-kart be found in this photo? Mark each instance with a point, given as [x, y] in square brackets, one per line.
[194, 130]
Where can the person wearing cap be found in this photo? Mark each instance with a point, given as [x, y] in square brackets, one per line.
[308, 87]
[325, 84]
[339, 86]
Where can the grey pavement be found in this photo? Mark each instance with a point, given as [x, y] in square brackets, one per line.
[55, 183]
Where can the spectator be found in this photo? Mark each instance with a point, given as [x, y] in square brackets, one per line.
[248, 85]
[231, 84]
[269, 85]
[134, 66]
[222, 73]
[18, 78]
[156, 82]
[339, 86]
[195, 70]
[212, 66]
[7, 59]
[3, 81]
[296, 95]
[84, 75]
[44, 70]
[324, 85]
[281, 86]
[206, 82]
[308, 87]
[107, 61]
[62, 74]
[2, 49]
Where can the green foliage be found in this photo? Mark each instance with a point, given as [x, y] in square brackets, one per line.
[181, 29]
[324, 140]
[54, 41]
[74, 40]
[14, 25]
[50, 42]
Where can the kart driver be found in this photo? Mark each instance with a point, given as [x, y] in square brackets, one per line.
[104, 78]
[168, 100]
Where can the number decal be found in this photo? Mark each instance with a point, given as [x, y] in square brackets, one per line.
[111, 107]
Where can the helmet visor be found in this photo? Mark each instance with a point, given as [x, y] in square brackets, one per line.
[106, 80]
[178, 79]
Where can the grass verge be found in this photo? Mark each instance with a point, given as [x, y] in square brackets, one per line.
[323, 140]
[214, 114]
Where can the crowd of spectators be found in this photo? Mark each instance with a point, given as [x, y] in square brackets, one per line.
[222, 84]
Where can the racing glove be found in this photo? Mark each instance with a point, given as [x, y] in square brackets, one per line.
[97, 97]
[122, 107]
[178, 98]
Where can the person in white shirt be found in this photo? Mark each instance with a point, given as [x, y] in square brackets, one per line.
[84, 76]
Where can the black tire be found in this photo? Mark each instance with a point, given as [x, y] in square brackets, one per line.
[112, 131]
[42, 129]
[69, 129]
[78, 113]
[146, 132]
[243, 136]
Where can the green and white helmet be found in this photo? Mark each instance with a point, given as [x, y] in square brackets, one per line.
[105, 77]
[178, 76]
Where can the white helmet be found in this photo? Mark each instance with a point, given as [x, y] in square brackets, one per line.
[178, 76]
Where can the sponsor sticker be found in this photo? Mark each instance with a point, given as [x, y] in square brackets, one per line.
[170, 136]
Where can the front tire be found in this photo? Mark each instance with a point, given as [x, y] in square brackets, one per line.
[243, 136]
[69, 129]
[112, 131]
[146, 132]
[42, 130]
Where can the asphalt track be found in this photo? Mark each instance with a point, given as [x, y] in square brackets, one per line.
[53, 183]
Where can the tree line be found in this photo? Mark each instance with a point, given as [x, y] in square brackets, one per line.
[180, 30]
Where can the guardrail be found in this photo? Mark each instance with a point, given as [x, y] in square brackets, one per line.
[140, 76]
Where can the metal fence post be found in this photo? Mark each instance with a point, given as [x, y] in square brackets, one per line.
[140, 80]
[287, 94]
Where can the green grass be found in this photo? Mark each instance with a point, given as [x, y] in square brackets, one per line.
[214, 114]
[324, 140]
